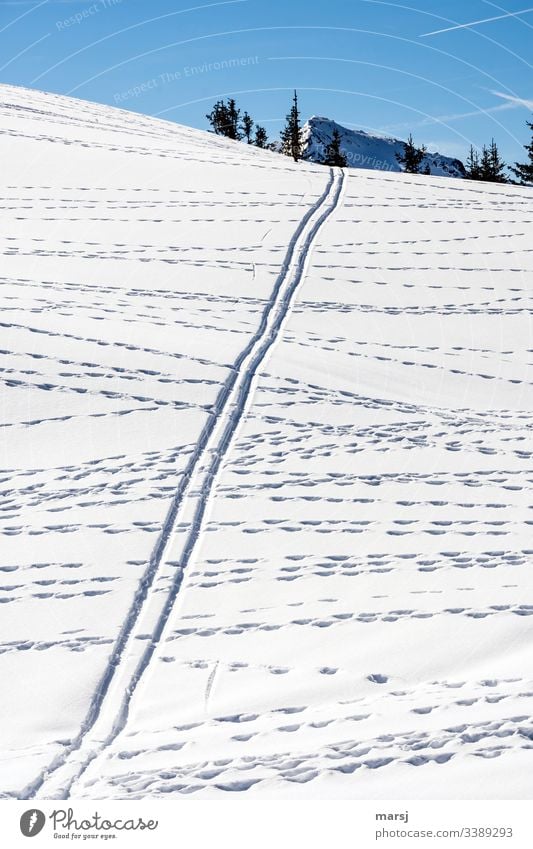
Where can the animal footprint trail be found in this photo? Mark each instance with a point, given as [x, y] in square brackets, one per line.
[338, 454]
[440, 552]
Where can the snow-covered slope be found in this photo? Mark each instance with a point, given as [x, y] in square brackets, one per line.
[368, 150]
[265, 470]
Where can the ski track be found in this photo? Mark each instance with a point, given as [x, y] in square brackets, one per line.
[195, 486]
[265, 494]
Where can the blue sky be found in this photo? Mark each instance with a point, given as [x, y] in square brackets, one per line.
[367, 64]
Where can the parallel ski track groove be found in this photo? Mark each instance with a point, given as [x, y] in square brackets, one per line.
[264, 338]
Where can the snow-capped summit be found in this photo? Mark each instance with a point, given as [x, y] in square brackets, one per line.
[369, 150]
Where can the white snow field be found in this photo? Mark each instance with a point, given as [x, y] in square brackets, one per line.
[265, 472]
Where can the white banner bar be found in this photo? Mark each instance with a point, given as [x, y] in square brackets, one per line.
[240, 822]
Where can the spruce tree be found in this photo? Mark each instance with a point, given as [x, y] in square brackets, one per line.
[261, 137]
[492, 166]
[218, 118]
[291, 135]
[473, 167]
[524, 171]
[224, 119]
[497, 164]
[412, 157]
[247, 125]
[485, 172]
[334, 157]
[233, 116]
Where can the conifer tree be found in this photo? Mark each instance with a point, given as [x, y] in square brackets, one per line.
[218, 118]
[291, 135]
[524, 171]
[492, 166]
[484, 164]
[334, 157]
[497, 164]
[224, 119]
[247, 125]
[473, 167]
[412, 156]
[233, 116]
[261, 137]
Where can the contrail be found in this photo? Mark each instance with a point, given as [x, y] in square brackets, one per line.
[29, 11]
[475, 23]
[514, 14]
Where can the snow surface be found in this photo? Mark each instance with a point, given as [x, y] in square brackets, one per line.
[265, 470]
[369, 150]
